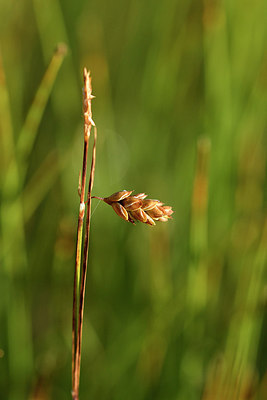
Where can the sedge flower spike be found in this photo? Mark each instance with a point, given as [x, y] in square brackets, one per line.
[137, 207]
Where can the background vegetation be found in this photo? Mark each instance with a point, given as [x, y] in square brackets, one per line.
[172, 312]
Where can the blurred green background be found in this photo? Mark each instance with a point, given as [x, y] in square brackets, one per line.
[172, 312]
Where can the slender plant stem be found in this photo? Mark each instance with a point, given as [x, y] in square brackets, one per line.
[85, 263]
[76, 324]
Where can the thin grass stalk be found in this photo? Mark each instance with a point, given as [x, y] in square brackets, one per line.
[88, 122]
[75, 289]
[84, 269]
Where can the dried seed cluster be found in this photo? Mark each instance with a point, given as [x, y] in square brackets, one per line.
[138, 208]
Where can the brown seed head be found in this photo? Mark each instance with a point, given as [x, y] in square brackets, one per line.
[138, 208]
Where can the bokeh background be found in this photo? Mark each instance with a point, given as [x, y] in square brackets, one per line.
[172, 312]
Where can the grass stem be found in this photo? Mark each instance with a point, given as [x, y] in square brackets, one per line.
[80, 276]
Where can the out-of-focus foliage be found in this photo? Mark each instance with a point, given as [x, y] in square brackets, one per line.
[172, 312]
